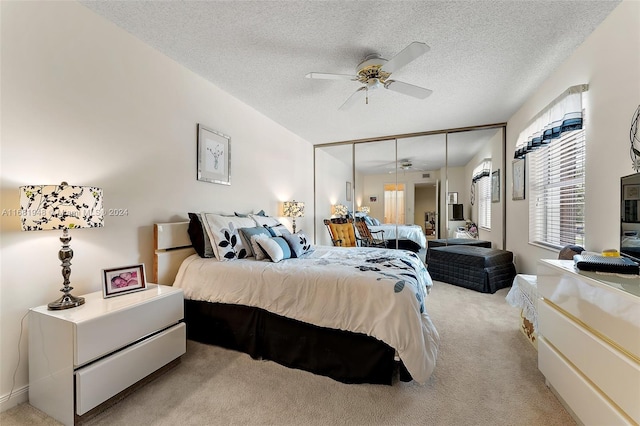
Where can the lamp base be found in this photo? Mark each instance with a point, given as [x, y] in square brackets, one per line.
[65, 302]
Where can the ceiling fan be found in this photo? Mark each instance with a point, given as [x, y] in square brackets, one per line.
[374, 72]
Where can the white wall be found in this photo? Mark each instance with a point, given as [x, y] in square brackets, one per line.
[336, 170]
[609, 61]
[85, 102]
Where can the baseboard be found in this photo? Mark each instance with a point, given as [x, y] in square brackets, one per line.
[18, 396]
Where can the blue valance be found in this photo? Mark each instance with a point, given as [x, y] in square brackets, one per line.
[562, 115]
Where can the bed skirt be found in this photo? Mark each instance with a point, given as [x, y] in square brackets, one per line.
[344, 356]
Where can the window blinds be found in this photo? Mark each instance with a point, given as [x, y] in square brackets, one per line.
[482, 178]
[557, 183]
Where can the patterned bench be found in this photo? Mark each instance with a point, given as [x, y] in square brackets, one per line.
[478, 268]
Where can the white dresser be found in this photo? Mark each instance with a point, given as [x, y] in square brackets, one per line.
[589, 342]
[81, 357]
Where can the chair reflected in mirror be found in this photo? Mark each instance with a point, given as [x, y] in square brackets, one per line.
[366, 237]
[341, 232]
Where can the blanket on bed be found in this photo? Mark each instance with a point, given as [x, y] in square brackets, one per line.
[378, 292]
[403, 232]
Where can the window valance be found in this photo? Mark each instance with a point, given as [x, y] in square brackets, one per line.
[562, 115]
[482, 170]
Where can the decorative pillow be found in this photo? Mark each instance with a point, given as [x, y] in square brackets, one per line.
[264, 220]
[276, 248]
[257, 250]
[298, 243]
[241, 214]
[368, 221]
[223, 233]
[199, 238]
[261, 213]
[278, 230]
[375, 221]
[247, 233]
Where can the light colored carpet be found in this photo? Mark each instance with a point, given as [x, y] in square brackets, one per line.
[486, 374]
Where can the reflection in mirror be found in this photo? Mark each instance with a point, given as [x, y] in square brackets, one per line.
[333, 185]
[472, 157]
[422, 180]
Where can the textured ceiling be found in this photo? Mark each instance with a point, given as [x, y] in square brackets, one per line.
[486, 57]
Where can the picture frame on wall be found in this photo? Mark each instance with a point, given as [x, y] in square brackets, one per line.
[452, 198]
[214, 156]
[519, 179]
[122, 280]
[495, 186]
[631, 192]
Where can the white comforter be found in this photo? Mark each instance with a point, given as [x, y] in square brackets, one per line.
[378, 292]
[404, 232]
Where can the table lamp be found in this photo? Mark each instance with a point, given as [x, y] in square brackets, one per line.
[45, 207]
[364, 209]
[340, 210]
[293, 209]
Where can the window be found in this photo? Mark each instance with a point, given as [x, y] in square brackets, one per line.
[394, 203]
[482, 180]
[556, 206]
[484, 202]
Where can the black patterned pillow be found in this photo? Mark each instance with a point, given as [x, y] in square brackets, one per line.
[299, 243]
[225, 237]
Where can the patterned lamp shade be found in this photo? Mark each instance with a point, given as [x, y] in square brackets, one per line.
[364, 209]
[293, 208]
[61, 206]
[340, 209]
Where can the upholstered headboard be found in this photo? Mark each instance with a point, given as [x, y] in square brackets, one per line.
[171, 246]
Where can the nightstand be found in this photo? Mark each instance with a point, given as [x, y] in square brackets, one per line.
[82, 357]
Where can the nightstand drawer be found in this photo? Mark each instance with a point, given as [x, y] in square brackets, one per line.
[101, 335]
[103, 379]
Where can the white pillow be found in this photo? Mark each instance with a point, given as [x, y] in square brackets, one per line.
[264, 220]
[276, 248]
[223, 232]
[257, 250]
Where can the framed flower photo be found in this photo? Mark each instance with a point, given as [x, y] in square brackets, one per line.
[126, 279]
[214, 156]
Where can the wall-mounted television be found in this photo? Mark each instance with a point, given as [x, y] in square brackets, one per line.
[630, 216]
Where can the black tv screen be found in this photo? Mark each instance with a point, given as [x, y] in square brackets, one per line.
[457, 212]
[630, 216]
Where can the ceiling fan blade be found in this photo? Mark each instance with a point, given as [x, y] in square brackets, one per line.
[358, 95]
[408, 54]
[328, 76]
[407, 89]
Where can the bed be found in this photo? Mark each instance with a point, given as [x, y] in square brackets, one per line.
[410, 233]
[356, 315]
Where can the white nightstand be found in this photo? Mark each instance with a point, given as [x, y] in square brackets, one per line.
[81, 357]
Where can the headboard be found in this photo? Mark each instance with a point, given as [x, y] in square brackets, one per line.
[171, 246]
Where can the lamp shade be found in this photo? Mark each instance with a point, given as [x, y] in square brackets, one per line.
[340, 209]
[63, 206]
[365, 209]
[293, 208]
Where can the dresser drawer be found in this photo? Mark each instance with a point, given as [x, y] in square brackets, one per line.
[103, 379]
[617, 375]
[591, 407]
[103, 334]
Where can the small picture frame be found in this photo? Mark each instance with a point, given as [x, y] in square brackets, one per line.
[452, 198]
[214, 156]
[122, 280]
[519, 179]
[373, 199]
[495, 186]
